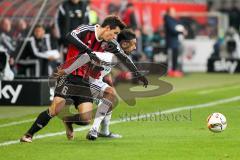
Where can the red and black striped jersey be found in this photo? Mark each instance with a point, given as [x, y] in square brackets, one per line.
[81, 39]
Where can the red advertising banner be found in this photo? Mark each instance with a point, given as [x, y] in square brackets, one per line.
[153, 12]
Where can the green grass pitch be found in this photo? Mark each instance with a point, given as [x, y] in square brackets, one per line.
[175, 129]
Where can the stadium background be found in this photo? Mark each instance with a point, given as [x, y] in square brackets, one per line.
[207, 24]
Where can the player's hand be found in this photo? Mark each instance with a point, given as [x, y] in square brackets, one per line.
[60, 72]
[144, 80]
[11, 61]
[51, 58]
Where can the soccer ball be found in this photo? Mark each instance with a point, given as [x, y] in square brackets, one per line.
[216, 122]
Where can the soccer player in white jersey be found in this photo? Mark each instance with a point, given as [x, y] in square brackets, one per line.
[127, 41]
[102, 90]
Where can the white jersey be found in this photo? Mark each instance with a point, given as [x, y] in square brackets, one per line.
[97, 86]
[108, 60]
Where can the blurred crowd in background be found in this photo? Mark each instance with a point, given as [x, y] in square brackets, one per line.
[31, 49]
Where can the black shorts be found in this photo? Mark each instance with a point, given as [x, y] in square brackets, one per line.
[73, 87]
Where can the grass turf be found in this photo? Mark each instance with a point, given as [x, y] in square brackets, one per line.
[166, 138]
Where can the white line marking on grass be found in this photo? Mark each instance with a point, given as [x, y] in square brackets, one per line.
[200, 92]
[204, 105]
[16, 123]
[217, 89]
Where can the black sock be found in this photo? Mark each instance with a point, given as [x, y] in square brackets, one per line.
[41, 121]
[76, 119]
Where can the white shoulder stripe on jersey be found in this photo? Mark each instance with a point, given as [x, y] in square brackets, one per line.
[74, 34]
[83, 27]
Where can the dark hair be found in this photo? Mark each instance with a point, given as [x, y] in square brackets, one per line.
[126, 35]
[130, 5]
[39, 26]
[113, 22]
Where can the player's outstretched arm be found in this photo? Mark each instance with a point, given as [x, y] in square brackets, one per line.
[115, 48]
[79, 62]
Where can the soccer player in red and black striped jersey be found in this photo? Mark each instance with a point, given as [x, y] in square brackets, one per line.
[100, 90]
[84, 39]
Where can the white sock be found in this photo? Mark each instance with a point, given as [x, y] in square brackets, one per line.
[102, 110]
[106, 123]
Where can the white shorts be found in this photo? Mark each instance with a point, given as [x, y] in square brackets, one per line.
[97, 87]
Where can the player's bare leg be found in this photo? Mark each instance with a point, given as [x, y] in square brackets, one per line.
[43, 118]
[85, 111]
[83, 118]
